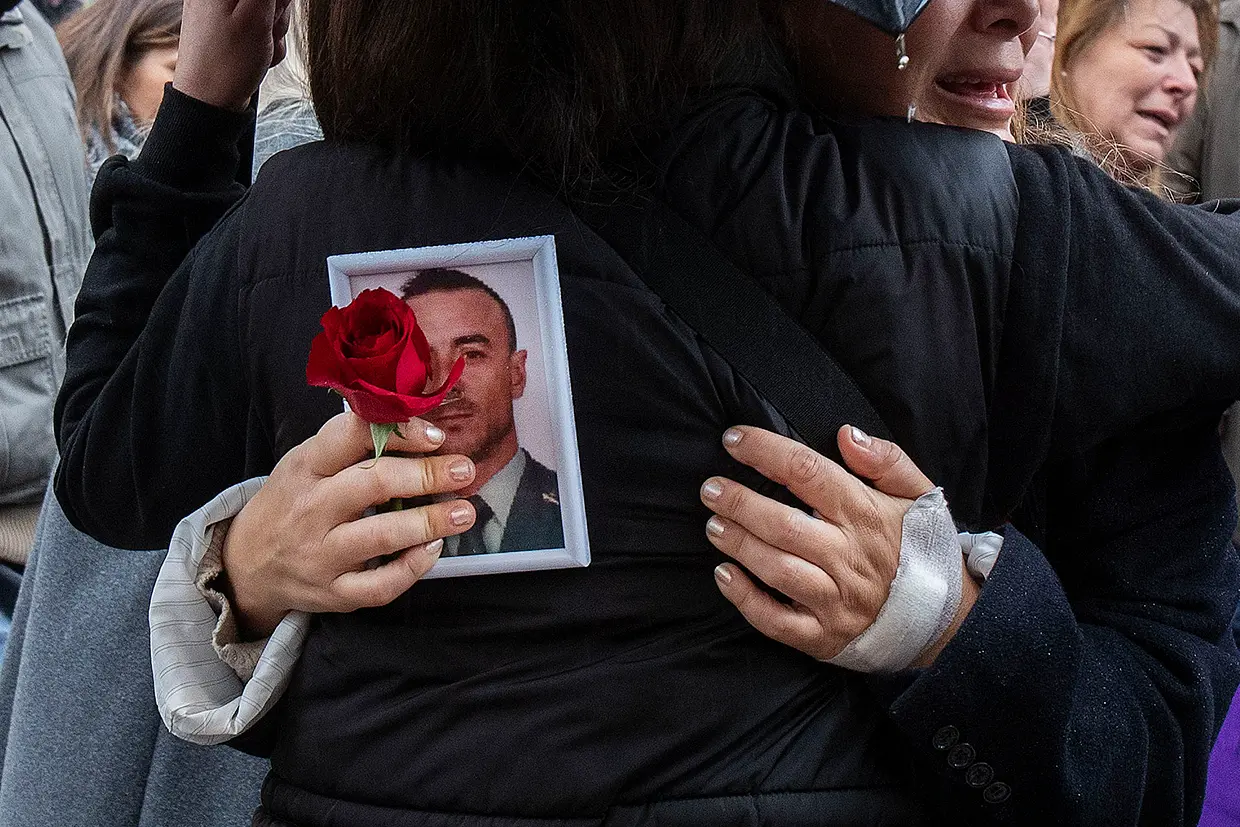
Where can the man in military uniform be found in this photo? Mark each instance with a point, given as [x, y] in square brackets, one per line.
[516, 497]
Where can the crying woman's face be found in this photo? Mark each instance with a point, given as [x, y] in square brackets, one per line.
[965, 57]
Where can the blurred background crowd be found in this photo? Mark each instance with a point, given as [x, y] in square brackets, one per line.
[1150, 89]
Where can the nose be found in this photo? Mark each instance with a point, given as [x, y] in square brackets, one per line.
[1180, 80]
[1010, 18]
[438, 368]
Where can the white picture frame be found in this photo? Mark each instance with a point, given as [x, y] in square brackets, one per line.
[537, 311]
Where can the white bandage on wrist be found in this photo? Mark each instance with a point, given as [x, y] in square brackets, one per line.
[981, 552]
[924, 596]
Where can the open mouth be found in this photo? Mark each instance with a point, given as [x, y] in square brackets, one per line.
[985, 97]
[975, 88]
[1166, 120]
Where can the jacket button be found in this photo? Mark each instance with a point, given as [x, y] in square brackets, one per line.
[961, 756]
[979, 775]
[945, 738]
[997, 793]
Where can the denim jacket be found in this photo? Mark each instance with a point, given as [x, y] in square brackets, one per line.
[44, 244]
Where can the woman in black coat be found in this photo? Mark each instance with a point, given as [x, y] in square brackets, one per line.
[968, 317]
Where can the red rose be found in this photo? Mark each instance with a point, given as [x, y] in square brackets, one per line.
[373, 353]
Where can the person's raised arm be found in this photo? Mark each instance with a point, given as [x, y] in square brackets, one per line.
[1151, 296]
[146, 216]
[1091, 676]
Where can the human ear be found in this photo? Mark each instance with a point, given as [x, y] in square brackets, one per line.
[516, 372]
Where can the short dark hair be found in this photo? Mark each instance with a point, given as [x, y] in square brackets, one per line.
[442, 279]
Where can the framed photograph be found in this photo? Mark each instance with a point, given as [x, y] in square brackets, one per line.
[497, 305]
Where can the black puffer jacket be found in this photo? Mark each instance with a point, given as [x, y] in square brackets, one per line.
[959, 283]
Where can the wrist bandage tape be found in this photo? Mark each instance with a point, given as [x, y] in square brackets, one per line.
[924, 596]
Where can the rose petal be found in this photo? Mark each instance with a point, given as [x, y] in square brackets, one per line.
[418, 339]
[378, 370]
[411, 372]
[332, 322]
[374, 353]
[453, 375]
[378, 402]
[379, 406]
[324, 368]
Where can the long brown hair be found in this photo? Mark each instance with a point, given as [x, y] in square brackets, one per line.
[1081, 23]
[557, 86]
[106, 39]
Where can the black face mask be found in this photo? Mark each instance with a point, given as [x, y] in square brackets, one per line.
[5, 5]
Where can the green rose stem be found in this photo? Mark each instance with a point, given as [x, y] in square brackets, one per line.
[380, 434]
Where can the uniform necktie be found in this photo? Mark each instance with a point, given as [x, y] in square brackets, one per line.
[471, 541]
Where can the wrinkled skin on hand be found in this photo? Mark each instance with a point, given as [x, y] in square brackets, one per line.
[305, 542]
[834, 566]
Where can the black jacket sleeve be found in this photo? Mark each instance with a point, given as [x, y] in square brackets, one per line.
[1088, 683]
[132, 323]
[1151, 309]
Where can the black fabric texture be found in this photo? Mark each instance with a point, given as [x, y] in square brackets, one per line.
[978, 297]
[801, 808]
[734, 315]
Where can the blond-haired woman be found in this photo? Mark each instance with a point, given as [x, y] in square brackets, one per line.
[120, 53]
[1126, 75]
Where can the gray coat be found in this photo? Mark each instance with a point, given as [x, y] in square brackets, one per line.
[81, 744]
[44, 244]
[1207, 152]
[1208, 147]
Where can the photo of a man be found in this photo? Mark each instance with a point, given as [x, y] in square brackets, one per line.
[516, 497]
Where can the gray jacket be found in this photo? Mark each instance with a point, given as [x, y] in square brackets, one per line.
[1207, 151]
[44, 244]
[1208, 147]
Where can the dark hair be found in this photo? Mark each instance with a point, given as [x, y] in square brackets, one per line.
[102, 42]
[557, 86]
[441, 279]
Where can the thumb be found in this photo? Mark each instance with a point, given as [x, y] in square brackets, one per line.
[883, 463]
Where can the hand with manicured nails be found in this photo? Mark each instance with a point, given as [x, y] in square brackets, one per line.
[835, 566]
[303, 544]
[227, 46]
